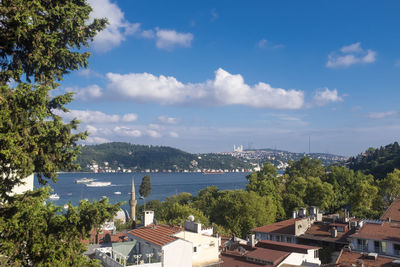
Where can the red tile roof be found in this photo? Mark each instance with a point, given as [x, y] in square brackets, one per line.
[320, 231]
[159, 234]
[287, 247]
[270, 255]
[393, 212]
[284, 227]
[384, 231]
[351, 258]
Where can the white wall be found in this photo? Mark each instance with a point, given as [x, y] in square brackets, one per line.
[302, 259]
[23, 187]
[177, 254]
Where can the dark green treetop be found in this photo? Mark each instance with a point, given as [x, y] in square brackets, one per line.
[40, 40]
[145, 186]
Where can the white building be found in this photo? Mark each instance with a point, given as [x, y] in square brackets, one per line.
[26, 186]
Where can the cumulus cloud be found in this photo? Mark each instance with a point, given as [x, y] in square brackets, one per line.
[224, 89]
[173, 134]
[129, 117]
[168, 39]
[264, 43]
[93, 116]
[381, 115]
[325, 97]
[153, 133]
[96, 140]
[168, 120]
[88, 93]
[127, 131]
[118, 28]
[350, 55]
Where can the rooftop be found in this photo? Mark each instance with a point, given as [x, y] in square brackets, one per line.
[379, 231]
[286, 247]
[320, 231]
[351, 258]
[270, 255]
[283, 227]
[393, 211]
[160, 235]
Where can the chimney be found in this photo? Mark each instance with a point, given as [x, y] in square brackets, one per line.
[148, 216]
[294, 214]
[389, 219]
[251, 240]
[333, 232]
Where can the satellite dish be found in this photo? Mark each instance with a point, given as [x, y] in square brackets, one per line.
[191, 218]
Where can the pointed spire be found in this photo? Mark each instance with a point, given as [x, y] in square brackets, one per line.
[133, 201]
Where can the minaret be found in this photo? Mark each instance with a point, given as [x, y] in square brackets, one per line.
[133, 201]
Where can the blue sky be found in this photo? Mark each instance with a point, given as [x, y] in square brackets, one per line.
[205, 75]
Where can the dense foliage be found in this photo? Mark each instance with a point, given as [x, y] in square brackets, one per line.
[378, 162]
[141, 157]
[40, 41]
[269, 197]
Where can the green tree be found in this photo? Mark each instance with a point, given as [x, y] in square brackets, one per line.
[239, 211]
[177, 214]
[145, 188]
[40, 41]
[267, 183]
[37, 234]
[390, 187]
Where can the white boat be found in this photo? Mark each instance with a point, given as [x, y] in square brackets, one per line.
[84, 180]
[98, 184]
[54, 197]
[117, 193]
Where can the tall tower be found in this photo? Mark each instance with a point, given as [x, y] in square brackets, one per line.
[133, 201]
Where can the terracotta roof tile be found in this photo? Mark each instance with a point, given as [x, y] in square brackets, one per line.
[283, 227]
[274, 256]
[384, 231]
[159, 235]
[287, 247]
[393, 211]
[351, 258]
[320, 231]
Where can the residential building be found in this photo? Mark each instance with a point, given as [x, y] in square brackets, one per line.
[392, 213]
[378, 237]
[268, 253]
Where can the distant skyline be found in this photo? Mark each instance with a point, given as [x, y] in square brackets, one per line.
[203, 76]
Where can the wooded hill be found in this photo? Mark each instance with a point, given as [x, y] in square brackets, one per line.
[141, 157]
[377, 161]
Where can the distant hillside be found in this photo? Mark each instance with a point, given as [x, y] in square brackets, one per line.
[377, 161]
[140, 157]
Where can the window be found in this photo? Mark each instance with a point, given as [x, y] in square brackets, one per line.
[194, 249]
[396, 248]
[278, 238]
[383, 245]
[377, 246]
[316, 254]
[288, 239]
[362, 244]
[340, 229]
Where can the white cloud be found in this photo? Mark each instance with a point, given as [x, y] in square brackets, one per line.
[153, 133]
[326, 96]
[264, 43]
[96, 140]
[88, 93]
[381, 115]
[350, 55]
[173, 134]
[168, 120]
[92, 116]
[91, 129]
[225, 89]
[127, 131]
[118, 27]
[129, 117]
[168, 39]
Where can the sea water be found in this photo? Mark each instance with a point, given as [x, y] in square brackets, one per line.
[163, 185]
